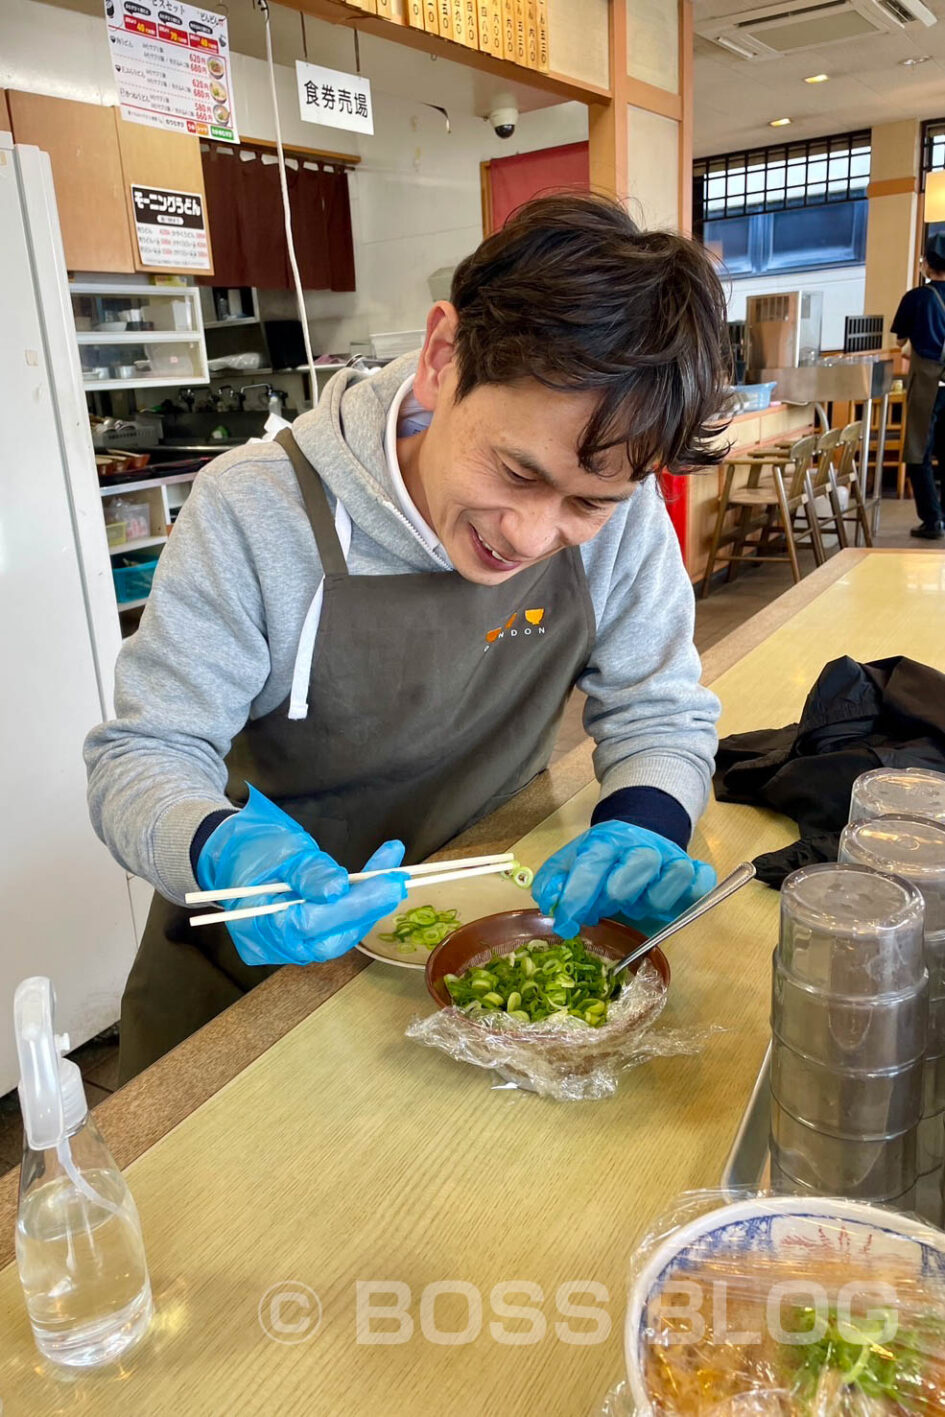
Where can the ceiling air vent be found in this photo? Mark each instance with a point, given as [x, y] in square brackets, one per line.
[788, 28]
[905, 13]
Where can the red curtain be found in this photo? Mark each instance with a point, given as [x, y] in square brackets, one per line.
[514, 180]
[247, 229]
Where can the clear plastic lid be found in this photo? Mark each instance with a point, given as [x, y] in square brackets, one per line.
[893, 792]
[911, 847]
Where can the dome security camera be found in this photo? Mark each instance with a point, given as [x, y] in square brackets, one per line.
[503, 115]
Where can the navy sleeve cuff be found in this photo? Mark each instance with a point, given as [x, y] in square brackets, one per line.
[207, 826]
[647, 807]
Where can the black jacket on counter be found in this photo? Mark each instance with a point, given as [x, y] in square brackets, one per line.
[889, 713]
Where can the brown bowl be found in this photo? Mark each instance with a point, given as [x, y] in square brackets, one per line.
[475, 943]
[571, 1055]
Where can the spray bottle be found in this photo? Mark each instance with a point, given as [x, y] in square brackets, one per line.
[79, 1247]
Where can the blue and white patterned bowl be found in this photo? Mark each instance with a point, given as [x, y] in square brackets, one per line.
[775, 1225]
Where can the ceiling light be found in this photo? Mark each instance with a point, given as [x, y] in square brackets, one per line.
[918, 59]
[734, 47]
[817, 79]
[779, 122]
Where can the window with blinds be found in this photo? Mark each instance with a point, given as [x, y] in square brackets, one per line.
[812, 173]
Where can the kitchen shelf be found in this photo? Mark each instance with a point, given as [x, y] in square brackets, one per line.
[139, 292]
[137, 545]
[225, 324]
[150, 303]
[141, 484]
[245, 373]
[102, 337]
[169, 381]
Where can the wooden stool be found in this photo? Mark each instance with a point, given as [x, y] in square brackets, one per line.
[769, 507]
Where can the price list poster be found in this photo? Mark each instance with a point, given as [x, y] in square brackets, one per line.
[172, 65]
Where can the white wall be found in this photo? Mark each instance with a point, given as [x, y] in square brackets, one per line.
[842, 286]
[415, 196]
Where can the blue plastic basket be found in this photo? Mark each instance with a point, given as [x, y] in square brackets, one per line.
[752, 398]
[133, 578]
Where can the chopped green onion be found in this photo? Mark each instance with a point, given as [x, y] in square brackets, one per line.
[423, 926]
[521, 875]
[537, 980]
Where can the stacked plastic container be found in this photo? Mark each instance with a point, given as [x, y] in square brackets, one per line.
[849, 1020]
[914, 848]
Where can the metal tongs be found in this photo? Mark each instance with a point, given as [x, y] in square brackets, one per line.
[738, 878]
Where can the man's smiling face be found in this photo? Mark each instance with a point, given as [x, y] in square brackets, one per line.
[496, 474]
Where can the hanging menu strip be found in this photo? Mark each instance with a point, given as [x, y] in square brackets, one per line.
[172, 66]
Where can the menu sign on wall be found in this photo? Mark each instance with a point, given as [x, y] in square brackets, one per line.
[172, 65]
[333, 98]
[171, 228]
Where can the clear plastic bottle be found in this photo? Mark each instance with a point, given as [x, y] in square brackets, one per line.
[79, 1247]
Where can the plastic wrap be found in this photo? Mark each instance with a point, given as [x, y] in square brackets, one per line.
[784, 1306]
[561, 1057]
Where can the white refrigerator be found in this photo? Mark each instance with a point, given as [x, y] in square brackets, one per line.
[66, 905]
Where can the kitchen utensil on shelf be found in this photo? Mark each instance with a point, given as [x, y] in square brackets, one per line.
[431, 873]
[911, 792]
[732, 883]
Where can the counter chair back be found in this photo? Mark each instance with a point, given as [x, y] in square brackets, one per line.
[768, 506]
[846, 474]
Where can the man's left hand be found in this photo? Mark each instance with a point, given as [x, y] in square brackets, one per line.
[617, 867]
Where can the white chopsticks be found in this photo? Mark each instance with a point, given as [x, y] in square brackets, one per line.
[433, 873]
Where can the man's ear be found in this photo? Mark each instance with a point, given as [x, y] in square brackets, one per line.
[435, 368]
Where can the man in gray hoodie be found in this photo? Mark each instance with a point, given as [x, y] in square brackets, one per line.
[361, 637]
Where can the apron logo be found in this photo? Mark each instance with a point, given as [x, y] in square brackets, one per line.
[533, 626]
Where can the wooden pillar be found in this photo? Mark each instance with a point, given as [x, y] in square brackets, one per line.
[894, 218]
[641, 142]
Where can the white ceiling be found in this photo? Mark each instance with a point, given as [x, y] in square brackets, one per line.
[735, 99]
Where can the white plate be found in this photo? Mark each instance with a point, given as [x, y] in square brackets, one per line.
[486, 895]
[482, 895]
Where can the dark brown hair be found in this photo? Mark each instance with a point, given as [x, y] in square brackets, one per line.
[572, 293]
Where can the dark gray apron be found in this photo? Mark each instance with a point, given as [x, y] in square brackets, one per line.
[432, 701]
[921, 393]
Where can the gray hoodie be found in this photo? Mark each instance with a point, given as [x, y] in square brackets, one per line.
[220, 633]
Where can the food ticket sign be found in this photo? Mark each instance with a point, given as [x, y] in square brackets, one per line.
[171, 228]
[333, 98]
[172, 65]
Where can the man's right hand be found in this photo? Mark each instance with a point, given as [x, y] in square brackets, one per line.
[262, 843]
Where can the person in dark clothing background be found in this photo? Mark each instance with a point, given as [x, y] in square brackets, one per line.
[920, 321]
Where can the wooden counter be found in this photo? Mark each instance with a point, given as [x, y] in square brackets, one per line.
[329, 1151]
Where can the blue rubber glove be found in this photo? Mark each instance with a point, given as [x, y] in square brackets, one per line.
[615, 867]
[262, 843]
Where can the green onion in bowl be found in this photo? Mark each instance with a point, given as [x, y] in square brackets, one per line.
[536, 981]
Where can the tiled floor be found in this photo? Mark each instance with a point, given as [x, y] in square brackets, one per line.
[725, 609]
